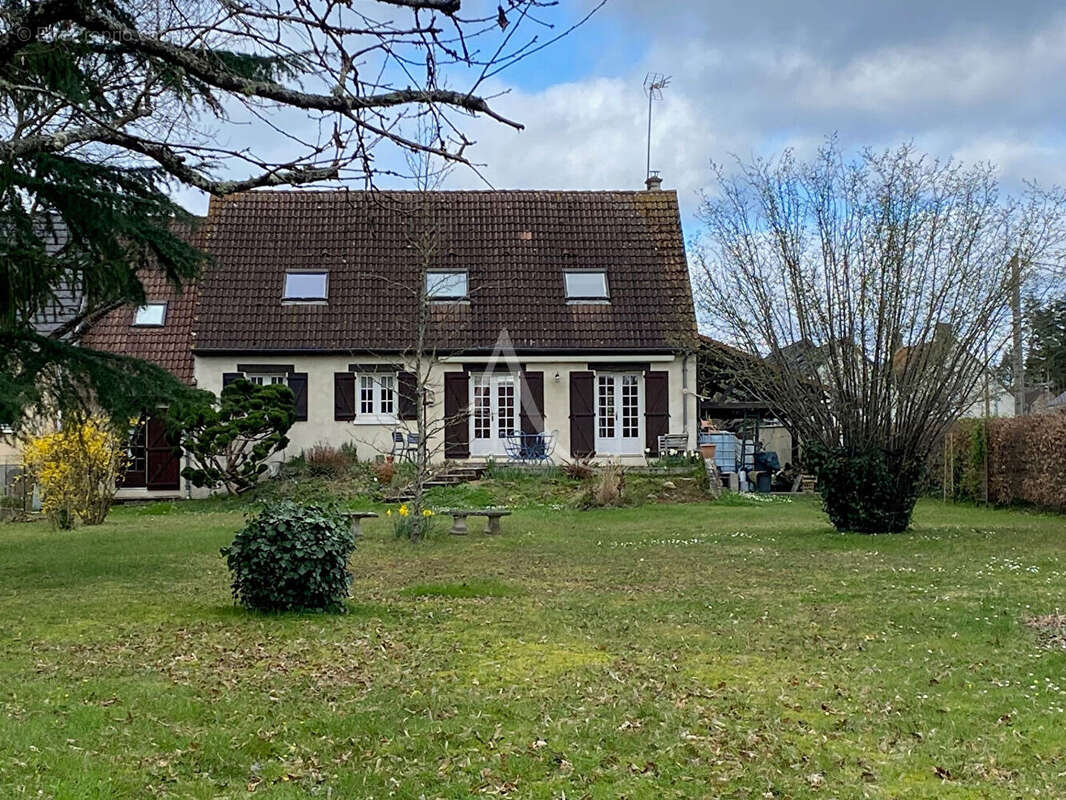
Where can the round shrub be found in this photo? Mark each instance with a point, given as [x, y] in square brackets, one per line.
[869, 491]
[292, 557]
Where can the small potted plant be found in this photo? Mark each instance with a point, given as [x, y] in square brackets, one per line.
[706, 446]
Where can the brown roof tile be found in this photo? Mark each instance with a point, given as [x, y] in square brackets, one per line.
[169, 346]
[514, 244]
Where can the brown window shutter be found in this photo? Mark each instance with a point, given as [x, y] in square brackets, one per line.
[298, 385]
[456, 411]
[582, 415]
[533, 402]
[408, 400]
[230, 377]
[343, 396]
[656, 408]
[162, 457]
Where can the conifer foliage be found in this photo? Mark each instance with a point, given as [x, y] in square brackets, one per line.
[229, 442]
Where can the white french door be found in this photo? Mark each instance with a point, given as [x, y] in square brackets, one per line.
[493, 414]
[619, 410]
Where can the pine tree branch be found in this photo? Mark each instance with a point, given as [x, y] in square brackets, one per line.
[448, 7]
[174, 163]
[106, 24]
[85, 320]
[23, 29]
[170, 160]
[50, 142]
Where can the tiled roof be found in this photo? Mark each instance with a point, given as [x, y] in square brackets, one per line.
[515, 246]
[168, 346]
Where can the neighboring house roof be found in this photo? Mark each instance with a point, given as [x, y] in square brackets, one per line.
[711, 343]
[928, 356]
[170, 345]
[1059, 401]
[515, 246]
[801, 355]
[68, 300]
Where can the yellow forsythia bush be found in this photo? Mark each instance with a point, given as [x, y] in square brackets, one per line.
[77, 470]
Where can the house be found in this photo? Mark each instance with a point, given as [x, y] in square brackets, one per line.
[67, 304]
[160, 332]
[920, 362]
[568, 313]
[912, 366]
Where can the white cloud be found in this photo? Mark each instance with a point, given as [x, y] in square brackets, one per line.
[768, 74]
[970, 95]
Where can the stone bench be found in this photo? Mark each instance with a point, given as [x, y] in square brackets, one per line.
[459, 516]
[355, 517]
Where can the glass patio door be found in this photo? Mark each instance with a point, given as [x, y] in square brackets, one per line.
[618, 414]
[493, 414]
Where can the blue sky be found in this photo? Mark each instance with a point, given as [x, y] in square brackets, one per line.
[976, 81]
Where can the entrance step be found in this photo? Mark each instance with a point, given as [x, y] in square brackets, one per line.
[450, 474]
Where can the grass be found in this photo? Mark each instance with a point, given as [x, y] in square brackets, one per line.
[502, 485]
[702, 650]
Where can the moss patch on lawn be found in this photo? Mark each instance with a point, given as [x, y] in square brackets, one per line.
[474, 587]
[666, 651]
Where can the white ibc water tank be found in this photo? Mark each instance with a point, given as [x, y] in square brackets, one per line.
[726, 450]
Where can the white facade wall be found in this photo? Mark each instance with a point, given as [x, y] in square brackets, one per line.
[10, 452]
[376, 438]
[1000, 402]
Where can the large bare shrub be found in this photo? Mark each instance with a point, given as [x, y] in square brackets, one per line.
[875, 291]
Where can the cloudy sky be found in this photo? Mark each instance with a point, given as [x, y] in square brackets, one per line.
[979, 80]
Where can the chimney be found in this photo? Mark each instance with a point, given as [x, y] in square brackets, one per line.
[944, 332]
[654, 182]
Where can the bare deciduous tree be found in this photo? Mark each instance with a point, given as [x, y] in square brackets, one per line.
[431, 320]
[877, 292]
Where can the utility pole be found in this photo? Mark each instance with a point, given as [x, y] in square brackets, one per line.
[1016, 324]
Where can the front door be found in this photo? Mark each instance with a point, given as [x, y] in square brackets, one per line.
[493, 414]
[618, 415]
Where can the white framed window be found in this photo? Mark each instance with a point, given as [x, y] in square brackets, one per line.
[377, 398]
[151, 315]
[306, 286]
[586, 285]
[446, 285]
[269, 380]
[387, 394]
[366, 394]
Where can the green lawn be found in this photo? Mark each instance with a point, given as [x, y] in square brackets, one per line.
[660, 651]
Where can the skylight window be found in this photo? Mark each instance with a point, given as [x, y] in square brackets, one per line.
[446, 285]
[305, 286]
[151, 315]
[586, 285]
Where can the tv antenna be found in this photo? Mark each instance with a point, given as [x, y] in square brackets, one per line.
[654, 83]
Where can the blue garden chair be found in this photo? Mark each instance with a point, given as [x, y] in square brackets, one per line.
[530, 448]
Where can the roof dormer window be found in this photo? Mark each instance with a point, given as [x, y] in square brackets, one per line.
[586, 286]
[450, 285]
[150, 315]
[306, 287]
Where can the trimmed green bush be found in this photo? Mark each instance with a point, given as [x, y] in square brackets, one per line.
[292, 558]
[868, 491]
